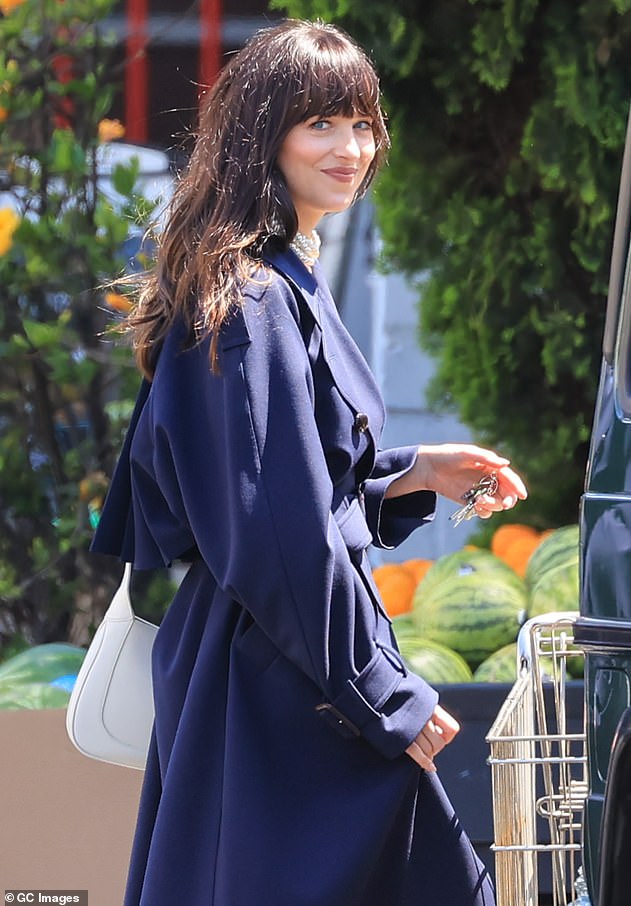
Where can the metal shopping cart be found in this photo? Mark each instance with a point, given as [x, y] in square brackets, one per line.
[538, 770]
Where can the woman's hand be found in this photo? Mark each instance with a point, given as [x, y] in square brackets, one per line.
[438, 732]
[453, 469]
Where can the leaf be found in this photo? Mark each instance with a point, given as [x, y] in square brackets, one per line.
[66, 154]
[124, 176]
[41, 334]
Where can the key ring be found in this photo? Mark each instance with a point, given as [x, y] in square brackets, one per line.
[486, 485]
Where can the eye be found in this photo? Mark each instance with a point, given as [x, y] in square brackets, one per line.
[362, 125]
[319, 125]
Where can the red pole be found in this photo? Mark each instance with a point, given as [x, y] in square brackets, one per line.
[210, 42]
[62, 66]
[136, 71]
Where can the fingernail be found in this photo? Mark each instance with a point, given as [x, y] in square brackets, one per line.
[509, 502]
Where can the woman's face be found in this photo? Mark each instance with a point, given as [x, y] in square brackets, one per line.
[324, 160]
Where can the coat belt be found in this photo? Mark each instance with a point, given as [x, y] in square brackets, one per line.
[352, 524]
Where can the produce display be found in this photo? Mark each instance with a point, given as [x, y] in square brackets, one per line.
[499, 667]
[552, 573]
[470, 601]
[473, 602]
[40, 677]
[435, 663]
[397, 583]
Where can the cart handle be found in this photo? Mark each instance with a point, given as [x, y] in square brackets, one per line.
[524, 639]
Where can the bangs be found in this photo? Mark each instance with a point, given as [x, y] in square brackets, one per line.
[332, 87]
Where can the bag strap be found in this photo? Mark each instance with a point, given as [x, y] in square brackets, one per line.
[121, 607]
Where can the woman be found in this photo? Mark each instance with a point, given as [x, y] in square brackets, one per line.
[292, 758]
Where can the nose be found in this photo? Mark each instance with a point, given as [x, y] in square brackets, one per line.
[347, 146]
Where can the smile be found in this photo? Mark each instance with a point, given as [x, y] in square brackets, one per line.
[342, 174]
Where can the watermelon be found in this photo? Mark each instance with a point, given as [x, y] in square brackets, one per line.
[499, 667]
[14, 696]
[435, 663]
[41, 664]
[472, 602]
[404, 627]
[552, 573]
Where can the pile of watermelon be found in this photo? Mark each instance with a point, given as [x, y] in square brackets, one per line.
[468, 608]
[40, 677]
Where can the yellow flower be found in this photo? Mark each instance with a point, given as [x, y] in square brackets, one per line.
[3, 114]
[6, 6]
[9, 222]
[109, 129]
[118, 302]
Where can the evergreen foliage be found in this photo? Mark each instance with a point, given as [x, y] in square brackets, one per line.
[508, 121]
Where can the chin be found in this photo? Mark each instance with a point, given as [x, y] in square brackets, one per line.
[340, 206]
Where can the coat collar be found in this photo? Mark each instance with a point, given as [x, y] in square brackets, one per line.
[291, 267]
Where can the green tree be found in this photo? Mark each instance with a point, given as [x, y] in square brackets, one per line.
[508, 122]
[65, 391]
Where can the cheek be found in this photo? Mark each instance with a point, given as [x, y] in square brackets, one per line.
[368, 155]
[282, 162]
[369, 148]
[288, 156]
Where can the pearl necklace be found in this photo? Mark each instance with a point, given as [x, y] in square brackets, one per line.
[307, 248]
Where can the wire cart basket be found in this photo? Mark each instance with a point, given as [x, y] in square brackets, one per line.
[538, 770]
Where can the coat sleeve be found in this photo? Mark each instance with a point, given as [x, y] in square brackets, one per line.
[392, 520]
[238, 458]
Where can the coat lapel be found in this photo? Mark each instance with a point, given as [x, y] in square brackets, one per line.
[353, 378]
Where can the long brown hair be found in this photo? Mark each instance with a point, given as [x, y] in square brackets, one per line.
[232, 198]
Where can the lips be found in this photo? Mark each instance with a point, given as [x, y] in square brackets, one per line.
[342, 174]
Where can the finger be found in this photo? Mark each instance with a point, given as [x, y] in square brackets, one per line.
[489, 459]
[418, 755]
[446, 721]
[489, 503]
[485, 506]
[450, 733]
[510, 484]
[431, 741]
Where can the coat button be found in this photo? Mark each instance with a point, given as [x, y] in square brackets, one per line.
[361, 422]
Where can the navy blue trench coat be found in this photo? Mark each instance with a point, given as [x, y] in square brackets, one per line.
[277, 773]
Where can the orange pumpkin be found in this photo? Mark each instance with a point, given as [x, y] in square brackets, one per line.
[417, 567]
[396, 586]
[380, 573]
[519, 552]
[507, 534]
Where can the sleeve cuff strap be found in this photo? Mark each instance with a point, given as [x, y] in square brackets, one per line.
[363, 698]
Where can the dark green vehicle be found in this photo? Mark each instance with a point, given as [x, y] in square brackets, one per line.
[604, 627]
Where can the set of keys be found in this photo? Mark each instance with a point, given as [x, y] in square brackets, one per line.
[486, 485]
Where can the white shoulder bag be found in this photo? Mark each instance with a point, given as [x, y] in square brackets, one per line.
[110, 712]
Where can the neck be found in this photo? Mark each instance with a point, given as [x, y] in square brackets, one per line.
[306, 247]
